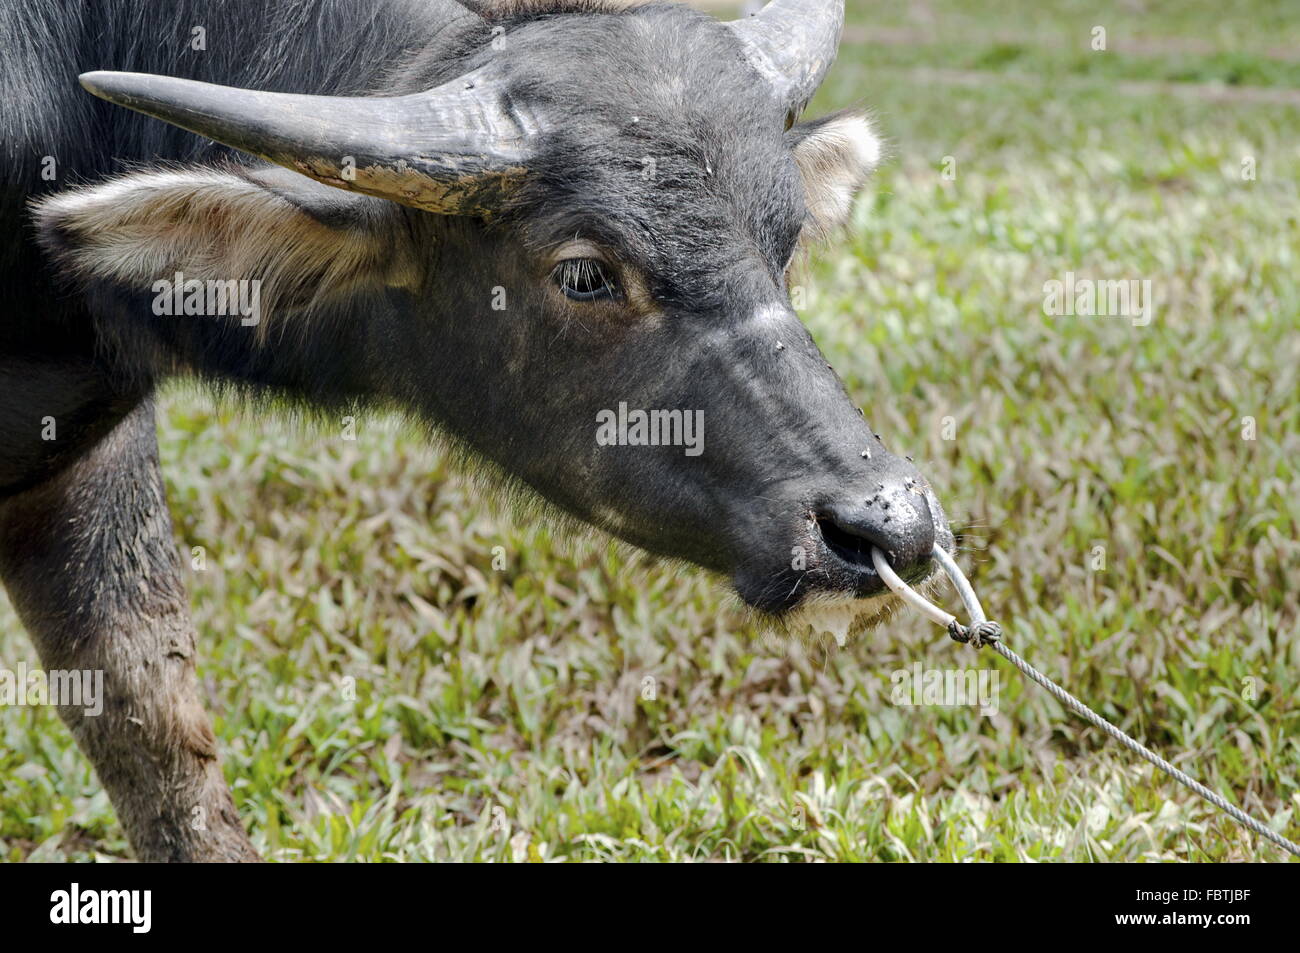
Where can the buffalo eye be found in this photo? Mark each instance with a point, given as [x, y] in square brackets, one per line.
[584, 279]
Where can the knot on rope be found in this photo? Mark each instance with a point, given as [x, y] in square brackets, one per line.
[978, 634]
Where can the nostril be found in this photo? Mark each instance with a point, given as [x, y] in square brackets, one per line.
[897, 522]
[852, 547]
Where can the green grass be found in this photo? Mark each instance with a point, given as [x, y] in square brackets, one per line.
[500, 714]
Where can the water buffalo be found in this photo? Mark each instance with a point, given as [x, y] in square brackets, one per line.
[534, 225]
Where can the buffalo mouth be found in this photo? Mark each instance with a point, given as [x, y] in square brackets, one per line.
[842, 595]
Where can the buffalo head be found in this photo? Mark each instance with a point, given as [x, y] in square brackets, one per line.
[562, 236]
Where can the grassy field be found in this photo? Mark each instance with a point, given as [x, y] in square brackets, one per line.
[382, 692]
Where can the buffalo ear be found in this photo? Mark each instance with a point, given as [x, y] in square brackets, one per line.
[835, 154]
[303, 241]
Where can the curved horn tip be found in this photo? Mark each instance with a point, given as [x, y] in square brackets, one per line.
[91, 82]
[107, 84]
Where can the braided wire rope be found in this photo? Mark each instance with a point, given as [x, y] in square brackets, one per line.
[980, 632]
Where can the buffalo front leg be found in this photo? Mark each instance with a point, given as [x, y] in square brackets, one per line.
[90, 564]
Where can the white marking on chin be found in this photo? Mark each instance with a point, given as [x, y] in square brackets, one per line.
[841, 616]
[838, 616]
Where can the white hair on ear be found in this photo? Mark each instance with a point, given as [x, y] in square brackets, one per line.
[212, 224]
[835, 157]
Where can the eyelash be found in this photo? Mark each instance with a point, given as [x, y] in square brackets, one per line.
[584, 279]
